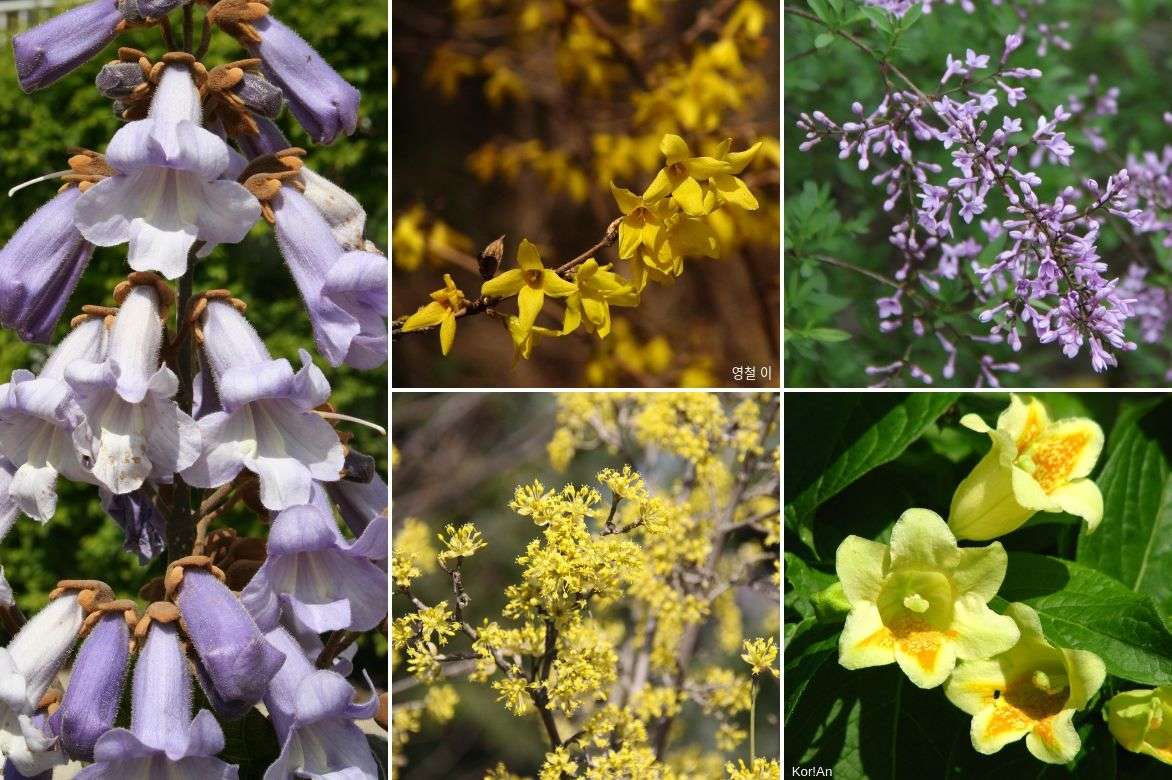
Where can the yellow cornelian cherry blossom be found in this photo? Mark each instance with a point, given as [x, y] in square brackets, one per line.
[446, 303]
[1031, 691]
[1034, 465]
[682, 174]
[597, 290]
[531, 282]
[1141, 721]
[921, 602]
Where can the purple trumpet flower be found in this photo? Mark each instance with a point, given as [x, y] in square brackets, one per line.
[27, 667]
[322, 101]
[39, 268]
[90, 704]
[341, 210]
[361, 503]
[43, 428]
[313, 712]
[139, 519]
[169, 190]
[138, 431]
[8, 506]
[345, 292]
[233, 653]
[267, 424]
[269, 140]
[163, 739]
[315, 576]
[54, 49]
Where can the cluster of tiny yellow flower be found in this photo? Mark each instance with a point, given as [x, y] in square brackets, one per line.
[605, 635]
[656, 96]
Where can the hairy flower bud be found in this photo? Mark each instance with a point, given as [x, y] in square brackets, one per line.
[55, 48]
[91, 699]
[260, 95]
[118, 79]
[139, 10]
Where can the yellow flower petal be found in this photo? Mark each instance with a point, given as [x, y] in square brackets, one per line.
[859, 564]
[661, 185]
[1141, 721]
[630, 236]
[529, 302]
[980, 632]
[528, 258]
[735, 191]
[996, 726]
[976, 685]
[556, 286]
[573, 315]
[1054, 739]
[690, 197]
[1083, 499]
[1086, 673]
[738, 161]
[980, 570]
[447, 333]
[674, 148]
[1023, 421]
[921, 538]
[1067, 450]
[627, 201]
[865, 641]
[925, 654]
[508, 283]
[705, 167]
[428, 316]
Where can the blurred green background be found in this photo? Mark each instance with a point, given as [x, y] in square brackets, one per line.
[831, 326]
[35, 130]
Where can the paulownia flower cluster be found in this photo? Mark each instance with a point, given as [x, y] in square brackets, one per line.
[169, 404]
[604, 640]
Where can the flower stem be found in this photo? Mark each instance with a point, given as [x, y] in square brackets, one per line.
[753, 721]
[181, 520]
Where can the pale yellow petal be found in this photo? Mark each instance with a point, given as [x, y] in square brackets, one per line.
[859, 564]
[980, 571]
[926, 657]
[1085, 672]
[528, 258]
[865, 641]
[1076, 442]
[529, 302]
[1023, 420]
[1054, 739]
[975, 685]
[980, 632]
[996, 726]
[556, 286]
[428, 316]
[508, 283]
[985, 505]
[921, 538]
[1081, 498]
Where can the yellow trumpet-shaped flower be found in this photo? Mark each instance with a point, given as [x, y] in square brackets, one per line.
[1142, 721]
[922, 602]
[682, 175]
[641, 222]
[1034, 465]
[597, 290]
[531, 282]
[728, 187]
[1031, 691]
[524, 339]
[446, 302]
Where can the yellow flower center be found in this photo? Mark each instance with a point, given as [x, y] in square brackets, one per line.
[1050, 459]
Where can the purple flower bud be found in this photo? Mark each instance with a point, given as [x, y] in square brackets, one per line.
[269, 140]
[52, 50]
[345, 292]
[139, 519]
[238, 661]
[321, 100]
[313, 712]
[137, 10]
[261, 96]
[118, 79]
[39, 268]
[359, 503]
[267, 424]
[90, 705]
[163, 739]
[314, 575]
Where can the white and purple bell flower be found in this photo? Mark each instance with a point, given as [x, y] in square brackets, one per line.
[236, 662]
[361, 503]
[313, 712]
[137, 429]
[267, 424]
[9, 510]
[345, 292]
[169, 191]
[323, 102]
[39, 268]
[59, 46]
[316, 577]
[43, 431]
[163, 741]
[28, 665]
[90, 705]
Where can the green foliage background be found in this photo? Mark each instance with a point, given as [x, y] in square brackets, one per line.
[35, 131]
[833, 209]
[855, 462]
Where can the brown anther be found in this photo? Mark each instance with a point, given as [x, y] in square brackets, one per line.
[49, 698]
[90, 593]
[263, 186]
[235, 17]
[156, 72]
[128, 54]
[146, 279]
[125, 607]
[224, 77]
[160, 611]
[267, 212]
[174, 576]
[179, 58]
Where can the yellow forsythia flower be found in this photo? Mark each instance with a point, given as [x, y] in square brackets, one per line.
[531, 282]
[922, 602]
[524, 339]
[1142, 721]
[1031, 691]
[1035, 465]
[597, 290]
[445, 303]
[760, 654]
[682, 176]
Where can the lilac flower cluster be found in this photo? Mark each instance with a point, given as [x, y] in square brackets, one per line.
[144, 413]
[1049, 35]
[1047, 276]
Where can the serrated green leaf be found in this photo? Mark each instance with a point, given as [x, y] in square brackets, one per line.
[1087, 610]
[1134, 542]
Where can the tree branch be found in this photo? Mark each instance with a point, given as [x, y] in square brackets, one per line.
[180, 531]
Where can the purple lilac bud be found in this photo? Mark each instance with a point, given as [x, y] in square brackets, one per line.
[345, 292]
[314, 576]
[163, 740]
[267, 424]
[238, 661]
[313, 712]
[91, 700]
[321, 100]
[138, 431]
[39, 268]
[54, 49]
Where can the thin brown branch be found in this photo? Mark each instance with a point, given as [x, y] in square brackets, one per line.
[707, 20]
[626, 56]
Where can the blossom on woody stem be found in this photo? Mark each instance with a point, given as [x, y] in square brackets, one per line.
[531, 282]
[137, 429]
[597, 289]
[267, 424]
[446, 303]
[921, 602]
[57, 47]
[1032, 690]
[41, 423]
[168, 191]
[313, 712]
[682, 174]
[235, 661]
[1141, 721]
[315, 576]
[1035, 464]
[163, 739]
[760, 654]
